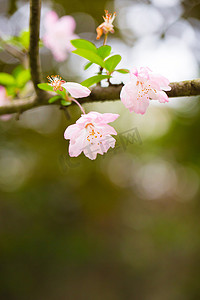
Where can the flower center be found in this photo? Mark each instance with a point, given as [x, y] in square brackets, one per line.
[93, 134]
[143, 90]
[56, 82]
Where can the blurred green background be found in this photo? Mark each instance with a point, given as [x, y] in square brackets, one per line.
[123, 227]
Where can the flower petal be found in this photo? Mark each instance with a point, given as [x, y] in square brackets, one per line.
[71, 131]
[3, 98]
[163, 97]
[50, 19]
[159, 82]
[129, 94]
[76, 147]
[76, 90]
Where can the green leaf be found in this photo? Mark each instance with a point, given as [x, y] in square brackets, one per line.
[91, 56]
[53, 99]
[123, 71]
[45, 87]
[48, 87]
[87, 65]
[23, 77]
[104, 51]
[24, 39]
[95, 79]
[7, 79]
[112, 62]
[62, 93]
[65, 103]
[17, 70]
[11, 90]
[84, 44]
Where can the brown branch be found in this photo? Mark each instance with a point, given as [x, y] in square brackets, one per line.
[185, 88]
[179, 89]
[18, 105]
[13, 50]
[35, 8]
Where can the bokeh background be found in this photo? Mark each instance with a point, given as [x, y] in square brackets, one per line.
[123, 227]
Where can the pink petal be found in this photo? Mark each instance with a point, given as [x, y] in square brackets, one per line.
[106, 129]
[59, 55]
[76, 90]
[58, 34]
[159, 82]
[71, 131]
[50, 19]
[6, 117]
[75, 148]
[129, 94]
[140, 107]
[144, 73]
[108, 117]
[163, 97]
[3, 97]
[91, 151]
[67, 24]
[108, 142]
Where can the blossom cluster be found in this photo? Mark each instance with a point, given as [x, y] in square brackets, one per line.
[91, 134]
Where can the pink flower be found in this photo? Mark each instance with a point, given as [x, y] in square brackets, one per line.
[107, 25]
[76, 90]
[59, 33]
[143, 86]
[91, 134]
[4, 101]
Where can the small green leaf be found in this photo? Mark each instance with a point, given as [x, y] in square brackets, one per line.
[87, 65]
[112, 62]
[11, 90]
[65, 103]
[45, 87]
[48, 87]
[23, 77]
[95, 79]
[123, 71]
[7, 79]
[17, 70]
[91, 56]
[84, 44]
[104, 51]
[24, 39]
[53, 99]
[62, 93]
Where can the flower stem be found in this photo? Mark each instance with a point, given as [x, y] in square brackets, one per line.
[80, 106]
[105, 39]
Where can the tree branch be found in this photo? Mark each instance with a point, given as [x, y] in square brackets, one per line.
[35, 8]
[185, 88]
[18, 105]
[112, 92]
[13, 50]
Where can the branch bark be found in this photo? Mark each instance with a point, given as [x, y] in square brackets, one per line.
[35, 9]
[13, 51]
[110, 93]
